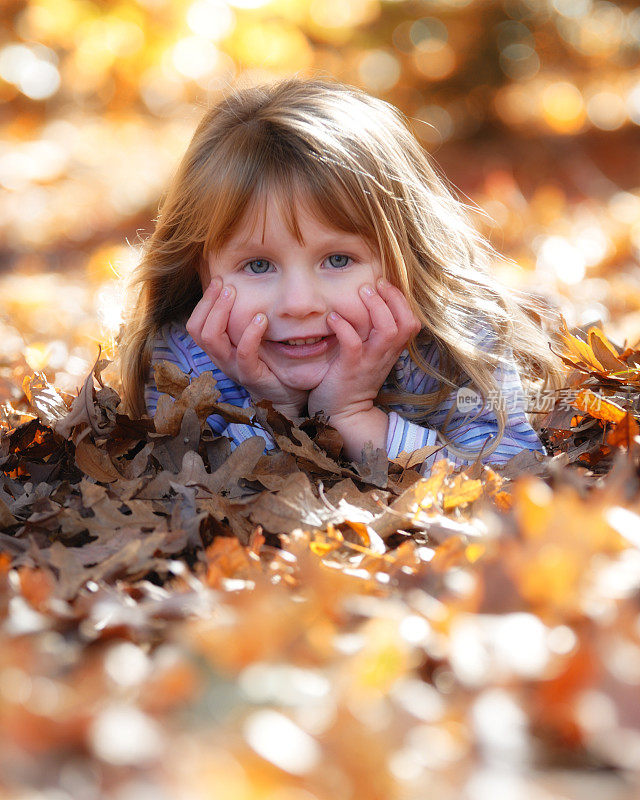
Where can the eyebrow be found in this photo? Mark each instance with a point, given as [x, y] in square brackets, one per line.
[257, 243]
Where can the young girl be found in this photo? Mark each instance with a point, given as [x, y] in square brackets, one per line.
[307, 253]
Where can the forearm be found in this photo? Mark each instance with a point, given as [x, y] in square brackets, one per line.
[359, 428]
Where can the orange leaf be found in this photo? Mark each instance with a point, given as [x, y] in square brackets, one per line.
[598, 406]
[503, 500]
[361, 529]
[623, 434]
[463, 490]
[604, 350]
[451, 553]
[37, 586]
[577, 350]
[321, 549]
[227, 559]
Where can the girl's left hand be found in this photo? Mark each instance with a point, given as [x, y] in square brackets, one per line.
[354, 378]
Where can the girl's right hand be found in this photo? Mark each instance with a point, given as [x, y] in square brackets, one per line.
[207, 326]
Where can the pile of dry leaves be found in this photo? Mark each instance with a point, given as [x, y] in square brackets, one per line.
[182, 621]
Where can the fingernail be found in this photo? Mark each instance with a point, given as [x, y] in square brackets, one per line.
[368, 290]
[259, 319]
[333, 316]
[382, 284]
[227, 292]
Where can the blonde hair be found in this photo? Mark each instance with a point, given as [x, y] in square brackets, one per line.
[358, 164]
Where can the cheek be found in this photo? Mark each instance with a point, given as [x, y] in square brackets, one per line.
[347, 301]
[351, 307]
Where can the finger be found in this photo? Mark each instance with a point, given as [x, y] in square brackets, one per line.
[382, 319]
[250, 365]
[214, 335]
[201, 311]
[348, 339]
[408, 324]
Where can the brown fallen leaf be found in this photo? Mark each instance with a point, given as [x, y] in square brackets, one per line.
[227, 558]
[240, 464]
[578, 352]
[373, 467]
[346, 491]
[6, 517]
[408, 460]
[131, 469]
[169, 378]
[170, 451]
[201, 395]
[95, 462]
[86, 410]
[91, 493]
[307, 452]
[273, 469]
[293, 506]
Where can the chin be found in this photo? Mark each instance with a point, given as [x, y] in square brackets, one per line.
[304, 378]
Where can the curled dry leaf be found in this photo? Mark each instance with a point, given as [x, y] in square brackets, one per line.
[44, 398]
[201, 395]
[577, 352]
[604, 351]
[86, 410]
[415, 458]
[169, 378]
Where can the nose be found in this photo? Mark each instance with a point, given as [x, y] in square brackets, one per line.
[301, 295]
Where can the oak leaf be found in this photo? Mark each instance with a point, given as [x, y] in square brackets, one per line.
[95, 462]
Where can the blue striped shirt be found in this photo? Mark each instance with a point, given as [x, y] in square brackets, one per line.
[468, 427]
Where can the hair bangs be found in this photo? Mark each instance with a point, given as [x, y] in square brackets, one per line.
[263, 169]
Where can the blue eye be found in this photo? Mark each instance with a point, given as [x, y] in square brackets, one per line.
[339, 261]
[258, 266]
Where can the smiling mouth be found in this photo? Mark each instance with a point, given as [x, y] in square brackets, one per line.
[296, 342]
[302, 347]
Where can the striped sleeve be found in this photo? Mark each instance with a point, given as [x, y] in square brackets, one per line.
[174, 344]
[471, 426]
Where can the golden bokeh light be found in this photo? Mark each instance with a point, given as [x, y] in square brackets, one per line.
[517, 104]
[606, 109]
[341, 14]
[194, 57]
[379, 70]
[211, 18]
[563, 107]
[434, 62]
[271, 45]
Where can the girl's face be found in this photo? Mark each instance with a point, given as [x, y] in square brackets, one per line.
[296, 284]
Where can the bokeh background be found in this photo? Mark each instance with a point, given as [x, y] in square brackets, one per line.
[531, 108]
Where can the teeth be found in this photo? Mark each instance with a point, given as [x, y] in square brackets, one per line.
[304, 341]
